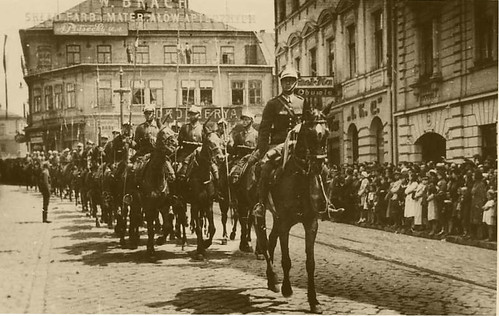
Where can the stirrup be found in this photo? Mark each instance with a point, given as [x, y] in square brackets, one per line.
[259, 210]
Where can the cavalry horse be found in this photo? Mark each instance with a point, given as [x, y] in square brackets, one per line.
[200, 185]
[153, 176]
[297, 196]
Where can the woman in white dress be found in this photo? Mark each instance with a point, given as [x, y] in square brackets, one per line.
[418, 201]
[412, 185]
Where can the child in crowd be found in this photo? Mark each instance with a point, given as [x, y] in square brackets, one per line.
[371, 204]
[490, 215]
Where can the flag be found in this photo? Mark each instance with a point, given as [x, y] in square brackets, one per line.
[4, 53]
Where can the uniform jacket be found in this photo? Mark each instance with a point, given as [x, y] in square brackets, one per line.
[245, 137]
[189, 133]
[44, 181]
[279, 117]
[145, 137]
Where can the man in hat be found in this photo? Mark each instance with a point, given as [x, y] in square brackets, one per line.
[44, 186]
[280, 115]
[242, 143]
[190, 134]
[146, 133]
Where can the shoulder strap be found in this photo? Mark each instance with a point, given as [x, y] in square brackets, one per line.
[289, 109]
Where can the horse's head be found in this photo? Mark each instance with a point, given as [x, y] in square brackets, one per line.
[166, 140]
[212, 144]
[314, 133]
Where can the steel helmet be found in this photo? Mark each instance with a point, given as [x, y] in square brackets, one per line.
[149, 108]
[247, 113]
[289, 72]
[222, 121]
[194, 109]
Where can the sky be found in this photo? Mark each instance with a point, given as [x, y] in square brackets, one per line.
[13, 17]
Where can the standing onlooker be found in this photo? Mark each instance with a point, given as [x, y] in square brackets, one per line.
[432, 208]
[451, 202]
[419, 200]
[478, 199]
[490, 215]
[393, 209]
[412, 185]
[363, 196]
[44, 186]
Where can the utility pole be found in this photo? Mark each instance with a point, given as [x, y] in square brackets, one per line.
[122, 90]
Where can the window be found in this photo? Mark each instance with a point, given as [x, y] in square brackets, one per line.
[49, 98]
[227, 55]
[156, 92]
[72, 54]
[188, 92]
[426, 49]
[255, 92]
[295, 5]
[170, 53]
[312, 53]
[105, 96]
[378, 38]
[58, 96]
[352, 57]
[37, 100]
[138, 92]
[142, 54]
[282, 10]
[485, 28]
[206, 89]
[297, 64]
[330, 57]
[71, 95]
[237, 92]
[104, 54]
[199, 55]
[44, 56]
[250, 52]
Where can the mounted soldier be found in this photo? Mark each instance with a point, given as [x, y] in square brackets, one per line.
[190, 134]
[280, 115]
[242, 143]
[146, 133]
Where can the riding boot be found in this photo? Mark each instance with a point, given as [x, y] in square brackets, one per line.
[263, 185]
[44, 217]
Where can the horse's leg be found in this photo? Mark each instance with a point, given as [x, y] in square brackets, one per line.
[310, 235]
[196, 218]
[135, 221]
[244, 244]
[151, 212]
[211, 225]
[286, 289]
[224, 209]
[165, 228]
[262, 245]
[273, 236]
[235, 221]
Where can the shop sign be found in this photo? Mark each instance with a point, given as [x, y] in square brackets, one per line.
[92, 29]
[180, 114]
[316, 86]
[36, 139]
[364, 109]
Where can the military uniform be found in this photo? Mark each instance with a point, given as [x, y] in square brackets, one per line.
[190, 137]
[145, 137]
[243, 142]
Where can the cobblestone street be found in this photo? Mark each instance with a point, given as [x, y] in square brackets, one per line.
[70, 266]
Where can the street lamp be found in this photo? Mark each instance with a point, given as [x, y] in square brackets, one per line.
[121, 91]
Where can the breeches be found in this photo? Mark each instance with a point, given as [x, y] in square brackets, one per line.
[46, 199]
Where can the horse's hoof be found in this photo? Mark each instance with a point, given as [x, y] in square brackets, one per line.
[161, 241]
[97, 224]
[286, 291]
[259, 256]
[232, 236]
[273, 287]
[206, 244]
[246, 248]
[315, 309]
[198, 257]
[122, 243]
[224, 241]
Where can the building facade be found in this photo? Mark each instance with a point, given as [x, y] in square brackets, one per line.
[402, 80]
[447, 80]
[11, 128]
[164, 54]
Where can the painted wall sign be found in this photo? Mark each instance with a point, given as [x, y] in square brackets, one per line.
[364, 109]
[93, 29]
[315, 82]
[180, 114]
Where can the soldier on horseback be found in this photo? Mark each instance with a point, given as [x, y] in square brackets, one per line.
[242, 143]
[190, 134]
[279, 117]
[146, 133]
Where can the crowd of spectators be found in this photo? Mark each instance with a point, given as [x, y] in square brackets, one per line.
[436, 199]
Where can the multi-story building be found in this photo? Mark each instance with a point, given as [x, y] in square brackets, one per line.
[447, 79]
[405, 80]
[164, 53]
[12, 143]
[340, 48]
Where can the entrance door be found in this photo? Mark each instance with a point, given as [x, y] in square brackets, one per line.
[433, 147]
[489, 141]
[377, 141]
[353, 140]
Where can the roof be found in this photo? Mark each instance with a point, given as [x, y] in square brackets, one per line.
[267, 44]
[194, 20]
[11, 115]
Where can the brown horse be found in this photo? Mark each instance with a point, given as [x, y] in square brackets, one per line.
[297, 197]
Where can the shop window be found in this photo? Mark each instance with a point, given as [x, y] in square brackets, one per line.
[105, 97]
[227, 55]
[170, 54]
[206, 92]
[255, 92]
[58, 96]
[37, 100]
[72, 54]
[138, 92]
[156, 91]
[250, 52]
[104, 54]
[142, 54]
[49, 98]
[71, 95]
[44, 56]
[237, 92]
[199, 55]
[378, 38]
[312, 53]
[352, 55]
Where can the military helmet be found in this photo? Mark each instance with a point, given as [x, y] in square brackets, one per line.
[289, 72]
[149, 108]
[194, 109]
[247, 113]
[104, 136]
[222, 121]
